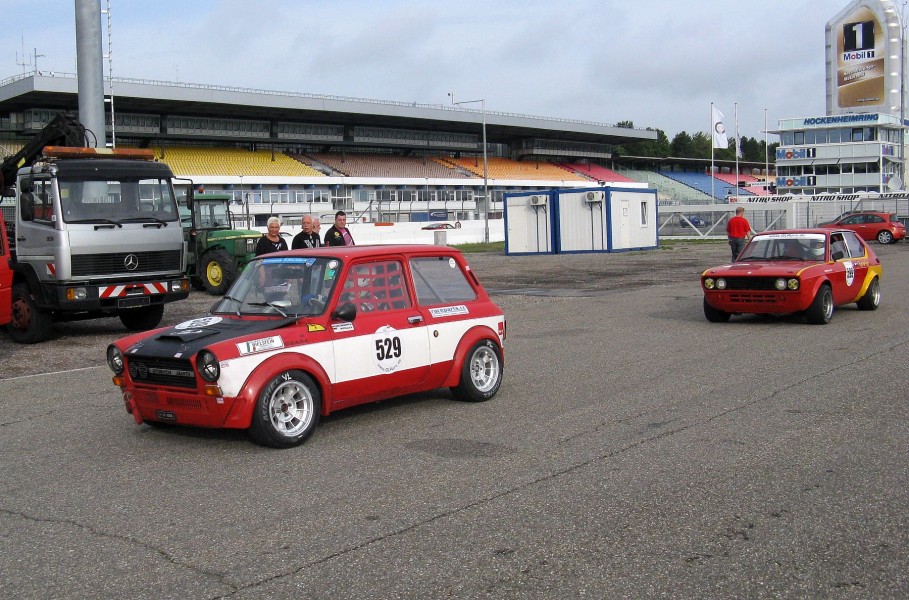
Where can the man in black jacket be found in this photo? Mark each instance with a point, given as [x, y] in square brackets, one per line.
[306, 238]
[338, 234]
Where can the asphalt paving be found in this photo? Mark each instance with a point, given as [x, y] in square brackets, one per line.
[634, 451]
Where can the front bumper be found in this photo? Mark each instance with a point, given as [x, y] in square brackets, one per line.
[758, 301]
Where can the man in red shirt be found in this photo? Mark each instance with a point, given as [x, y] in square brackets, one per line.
[737, 229]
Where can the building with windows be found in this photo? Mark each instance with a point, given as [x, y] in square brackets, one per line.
[859, 145]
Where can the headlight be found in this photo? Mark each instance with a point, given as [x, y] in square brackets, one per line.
[780, 284]
[708, 283]
[115, 359]
[793, 284]
[721, 284]
[208, 366]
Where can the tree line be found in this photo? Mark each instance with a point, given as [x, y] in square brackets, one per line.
[685, 145]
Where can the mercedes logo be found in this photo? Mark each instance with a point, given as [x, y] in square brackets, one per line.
[131, 262]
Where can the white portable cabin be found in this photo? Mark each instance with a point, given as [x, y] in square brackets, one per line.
[602, 219]
[529, 223]
[607, 219]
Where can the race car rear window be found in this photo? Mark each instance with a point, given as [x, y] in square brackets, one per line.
[439, 280]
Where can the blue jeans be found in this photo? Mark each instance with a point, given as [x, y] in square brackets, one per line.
[737, 245]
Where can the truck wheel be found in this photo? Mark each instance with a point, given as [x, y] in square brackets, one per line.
[142, 319]
[287, 410]
[29, 325]
[481, 373]
[218, 269]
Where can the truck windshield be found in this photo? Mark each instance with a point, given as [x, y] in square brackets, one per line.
[126, 200]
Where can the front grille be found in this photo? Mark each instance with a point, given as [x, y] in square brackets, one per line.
[755, 298]
[751, 283]
[162, 371]
[86, 265]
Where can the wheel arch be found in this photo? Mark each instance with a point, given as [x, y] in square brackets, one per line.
[25, 273]
[470, 337]
[241, 414]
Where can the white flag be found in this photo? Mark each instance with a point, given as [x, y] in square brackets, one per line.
[719, 130]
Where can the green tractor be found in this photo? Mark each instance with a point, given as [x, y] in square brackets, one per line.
[216, 252]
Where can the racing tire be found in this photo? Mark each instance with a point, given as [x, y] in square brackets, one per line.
[872, 298]
[29, 324]
[287, 411]
[885, 237]
[715, 315]
[217, 269]
[142, 319]
[481, 373]
[821, 310]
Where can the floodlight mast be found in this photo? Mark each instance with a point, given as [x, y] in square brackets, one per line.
[482, 102]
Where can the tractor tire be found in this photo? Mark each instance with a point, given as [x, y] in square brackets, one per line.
[217, 269]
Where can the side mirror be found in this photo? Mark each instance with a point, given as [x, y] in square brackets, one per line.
[345, 312]
[837, 255]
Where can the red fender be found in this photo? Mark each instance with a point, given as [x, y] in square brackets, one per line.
[471, 337]
[240, 416]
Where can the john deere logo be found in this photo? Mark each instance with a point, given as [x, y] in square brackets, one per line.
[131, 262]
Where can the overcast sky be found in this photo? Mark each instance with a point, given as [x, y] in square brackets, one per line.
[658, 63]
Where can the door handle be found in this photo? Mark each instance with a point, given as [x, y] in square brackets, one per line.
[413, 320]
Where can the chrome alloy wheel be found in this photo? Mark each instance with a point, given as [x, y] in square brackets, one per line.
[484, 369]
[290, 408]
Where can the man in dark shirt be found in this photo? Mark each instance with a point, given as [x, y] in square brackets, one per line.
[306, 238]
[338, 234]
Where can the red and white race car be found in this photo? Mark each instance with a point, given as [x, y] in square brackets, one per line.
[303, 333]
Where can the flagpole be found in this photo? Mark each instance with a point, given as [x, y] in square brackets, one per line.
[766, 156]
[737, 149]
[712, 125]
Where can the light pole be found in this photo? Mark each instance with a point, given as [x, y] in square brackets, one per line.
[482, 102]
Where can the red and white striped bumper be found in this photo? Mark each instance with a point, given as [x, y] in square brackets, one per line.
[132, 289]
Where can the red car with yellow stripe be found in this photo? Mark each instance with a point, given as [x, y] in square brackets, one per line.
[303, 333]
[807, 271]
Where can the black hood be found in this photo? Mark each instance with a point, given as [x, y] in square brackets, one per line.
[187, 338]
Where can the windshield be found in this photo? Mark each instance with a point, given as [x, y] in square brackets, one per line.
[121, 201]
[212, 215]
[286, 286]
[786, 246]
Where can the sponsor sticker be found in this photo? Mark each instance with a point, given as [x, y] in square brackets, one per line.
[260, 345]
[314, 327]
[342, 326]
[449, 311]
[200, 322]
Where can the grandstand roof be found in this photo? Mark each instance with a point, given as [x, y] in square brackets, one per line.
[59, 91]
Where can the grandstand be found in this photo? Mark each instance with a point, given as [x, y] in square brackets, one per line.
[287, 153]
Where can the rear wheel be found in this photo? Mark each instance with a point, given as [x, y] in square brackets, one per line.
[481, 373]
[142, 319]
[821, 310]
[872, 298]
[287, 411]
[885, 237]
[218, 269]
[29, 324]
[714, 315]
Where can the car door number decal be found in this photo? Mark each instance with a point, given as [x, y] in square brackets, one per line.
[850, 273]
[389, 349]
